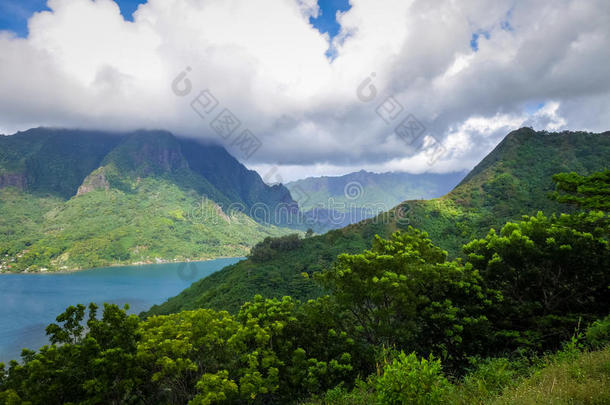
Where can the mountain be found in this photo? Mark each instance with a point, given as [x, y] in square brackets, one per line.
[514, 179]
[78, 199]
[335, 202]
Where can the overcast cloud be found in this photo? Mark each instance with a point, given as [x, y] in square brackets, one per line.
[530, 63]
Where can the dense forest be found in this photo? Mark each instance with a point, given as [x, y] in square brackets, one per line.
[513, 180]
[523, 318]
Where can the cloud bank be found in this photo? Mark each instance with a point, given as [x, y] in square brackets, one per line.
[468, 72]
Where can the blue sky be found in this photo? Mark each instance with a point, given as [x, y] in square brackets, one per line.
[326, 20]
[15, 13]
[469, 80]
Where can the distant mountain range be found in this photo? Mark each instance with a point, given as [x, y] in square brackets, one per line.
[514, 179]
[74, 199]
[335, 202]
[79, 199]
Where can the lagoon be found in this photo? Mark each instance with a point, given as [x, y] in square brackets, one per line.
[29, 302]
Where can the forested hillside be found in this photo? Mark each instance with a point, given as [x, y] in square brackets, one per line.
[78, 199]
[513, 180]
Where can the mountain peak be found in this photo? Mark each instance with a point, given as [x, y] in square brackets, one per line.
[148, 153]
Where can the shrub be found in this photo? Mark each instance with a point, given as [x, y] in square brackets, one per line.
[490, 378]
[598, 334]
[408, 380]
[362, 394]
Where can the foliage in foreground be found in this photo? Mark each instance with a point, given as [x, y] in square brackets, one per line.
[401, 294]
[551, 276]
[590, 192]
[273, 349]
[409, 380]
[570, 376]
[521, 292]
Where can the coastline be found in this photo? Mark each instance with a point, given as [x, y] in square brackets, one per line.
[134, 264]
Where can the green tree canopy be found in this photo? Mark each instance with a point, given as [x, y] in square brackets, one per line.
[588, 192]
[549, 273]
[404, 293]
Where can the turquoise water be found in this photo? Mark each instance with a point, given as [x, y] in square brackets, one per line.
[29, 302]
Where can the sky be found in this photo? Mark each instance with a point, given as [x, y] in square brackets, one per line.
[297, 88]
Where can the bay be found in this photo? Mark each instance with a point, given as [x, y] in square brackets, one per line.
[29, 302]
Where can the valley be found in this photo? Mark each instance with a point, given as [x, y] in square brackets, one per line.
[304, 202]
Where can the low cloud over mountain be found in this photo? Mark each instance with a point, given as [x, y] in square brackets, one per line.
[466, 73]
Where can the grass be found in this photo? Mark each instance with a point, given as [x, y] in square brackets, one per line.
[580, 379]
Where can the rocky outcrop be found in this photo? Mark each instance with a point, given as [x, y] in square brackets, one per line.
[95, 181]
[18, 180]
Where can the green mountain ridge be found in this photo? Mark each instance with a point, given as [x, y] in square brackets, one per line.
[515, 178]
[333, 202]
[373, 189]
[74, 199]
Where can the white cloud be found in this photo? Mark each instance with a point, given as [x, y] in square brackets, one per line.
[84, 65]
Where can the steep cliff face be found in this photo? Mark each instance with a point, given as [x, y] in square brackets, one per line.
[18, 180]
[147, 153]
[95, 181]
[66, 163]
[239, 184]
[55, 161]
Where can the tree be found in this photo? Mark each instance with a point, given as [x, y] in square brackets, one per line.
[588, 192]
[403, 293]
[267, 249]
[187, 350]
[313, 354]
[550, 275]
[94, 367]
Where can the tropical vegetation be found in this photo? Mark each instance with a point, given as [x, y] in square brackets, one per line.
[516, 178]
[74, 199]
[523, 318]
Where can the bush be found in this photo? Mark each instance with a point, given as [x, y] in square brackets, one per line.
[362, 394]
[408, 380]
[598, 334]
[489, 378]
[10, 397]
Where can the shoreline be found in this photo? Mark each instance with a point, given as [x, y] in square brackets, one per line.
[134, 264]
